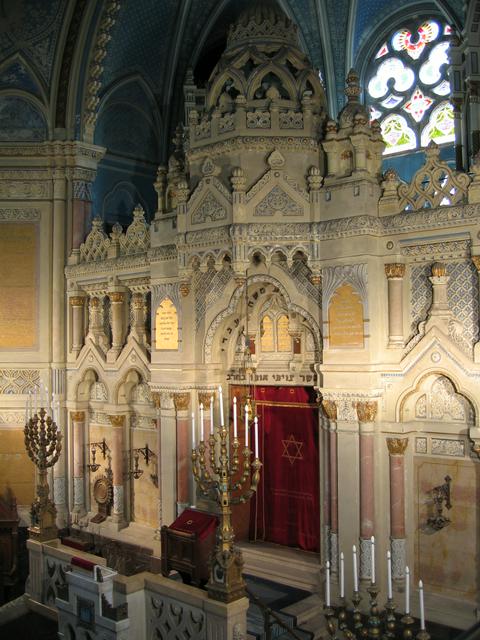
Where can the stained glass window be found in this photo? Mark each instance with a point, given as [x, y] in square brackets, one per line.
[408, 86]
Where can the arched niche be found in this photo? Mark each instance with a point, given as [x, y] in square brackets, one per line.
[166, 326]
[91, 388]
[126, 388]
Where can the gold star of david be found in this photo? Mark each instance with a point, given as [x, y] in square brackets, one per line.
[289, 444]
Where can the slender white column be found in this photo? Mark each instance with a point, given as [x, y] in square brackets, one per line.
[395, 273]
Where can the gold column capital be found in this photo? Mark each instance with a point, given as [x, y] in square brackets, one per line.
[77, 301]
[77, 416]
[156, 399]
[439, 270]
[94, 302]
[395, 270]
[204, 397]
[138, 301]
[181, 401]
[397, 446]
[117, 421]
[476, 262]
[116, 296]
[330, 408]
[366, 410]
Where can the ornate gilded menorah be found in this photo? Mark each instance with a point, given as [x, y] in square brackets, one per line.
[219, 478]
[43, 442]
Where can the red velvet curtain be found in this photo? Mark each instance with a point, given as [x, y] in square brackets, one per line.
[286, 507]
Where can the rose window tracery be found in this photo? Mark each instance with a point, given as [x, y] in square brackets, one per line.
[408, 87]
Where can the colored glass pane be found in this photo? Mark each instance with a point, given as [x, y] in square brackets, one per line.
[414, 44]
[442, 89]
[382, 51]
[391, 101]
[430, 72]
[397, 134]
[374, 114]
[392, 68]
[418, 104]
[440, 127]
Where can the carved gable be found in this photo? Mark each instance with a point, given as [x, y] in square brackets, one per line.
[276, 194]
[210, 201]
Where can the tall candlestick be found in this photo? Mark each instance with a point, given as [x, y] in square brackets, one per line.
[220, 397]
[211, 414]
[372, 539]
[407, 591]
[201, 422]
[246, 426]
[193, 431]
[53, 407]
[235, 418]
[422, 607]
[47, 400]
[327, 584]
[342, 575]
[256, 436]
[355, 569]
[389, 575]
[36, 401]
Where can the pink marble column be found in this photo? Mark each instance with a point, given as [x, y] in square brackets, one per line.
[78, 426]
[331, 410]
[396, 450]
[366, 413]
[182, 403]
[118, 424]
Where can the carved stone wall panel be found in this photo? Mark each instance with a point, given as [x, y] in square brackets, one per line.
[170, 619]
[420, 295]
[19, 381]
[463, 297]
[277, 201]
[420, 445]
[448, 447]
[24, 214]
[209, 209]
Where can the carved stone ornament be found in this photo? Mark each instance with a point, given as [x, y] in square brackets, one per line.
[156, 400]
[366, 410]
[117, 421]
[330, 409]
[181, 401]
[395, 270]
[77, 416]
[397, 446]
[439, 270]
[184, 289]
[275, 159]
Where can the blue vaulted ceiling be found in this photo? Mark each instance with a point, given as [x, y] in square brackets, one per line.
[45, 55]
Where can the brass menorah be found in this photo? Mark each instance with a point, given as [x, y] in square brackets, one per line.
[219, 479]
[43, 442]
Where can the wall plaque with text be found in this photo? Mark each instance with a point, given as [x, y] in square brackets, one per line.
[345, 317]
[167, 326]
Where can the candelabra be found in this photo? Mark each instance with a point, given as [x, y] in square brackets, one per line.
[352, 624]
[149, 456]
[43, 442]
[104, 448]
[219, 478]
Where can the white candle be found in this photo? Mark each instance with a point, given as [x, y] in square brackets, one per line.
[256, 436]
[422, 607]
[246, 426]
[407, 591]
[53, 408]
[235, 417]
[36, 401]
[342, 575]
[220, 397]
[355, 569]
[211, 415]
[201, 422]
[372, 539]
[193, 431]
[47, 401]
[327, 585]
[389, 575]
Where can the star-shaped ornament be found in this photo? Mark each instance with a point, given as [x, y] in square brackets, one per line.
[292, 449]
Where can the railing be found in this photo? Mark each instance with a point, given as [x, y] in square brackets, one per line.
[268, 615]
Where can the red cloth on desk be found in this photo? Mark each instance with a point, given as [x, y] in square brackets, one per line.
[193, 521]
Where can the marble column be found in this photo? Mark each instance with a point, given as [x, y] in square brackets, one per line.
[476, 348]
[182, 403]
[395, 273]
[118, 426]
[396, 450]
[158, 451]
[117, 299]
[439, 280]
[331, 410]
[366, 413]
[96, 330]
[168, 458]
[78, 427]
[77, 303]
